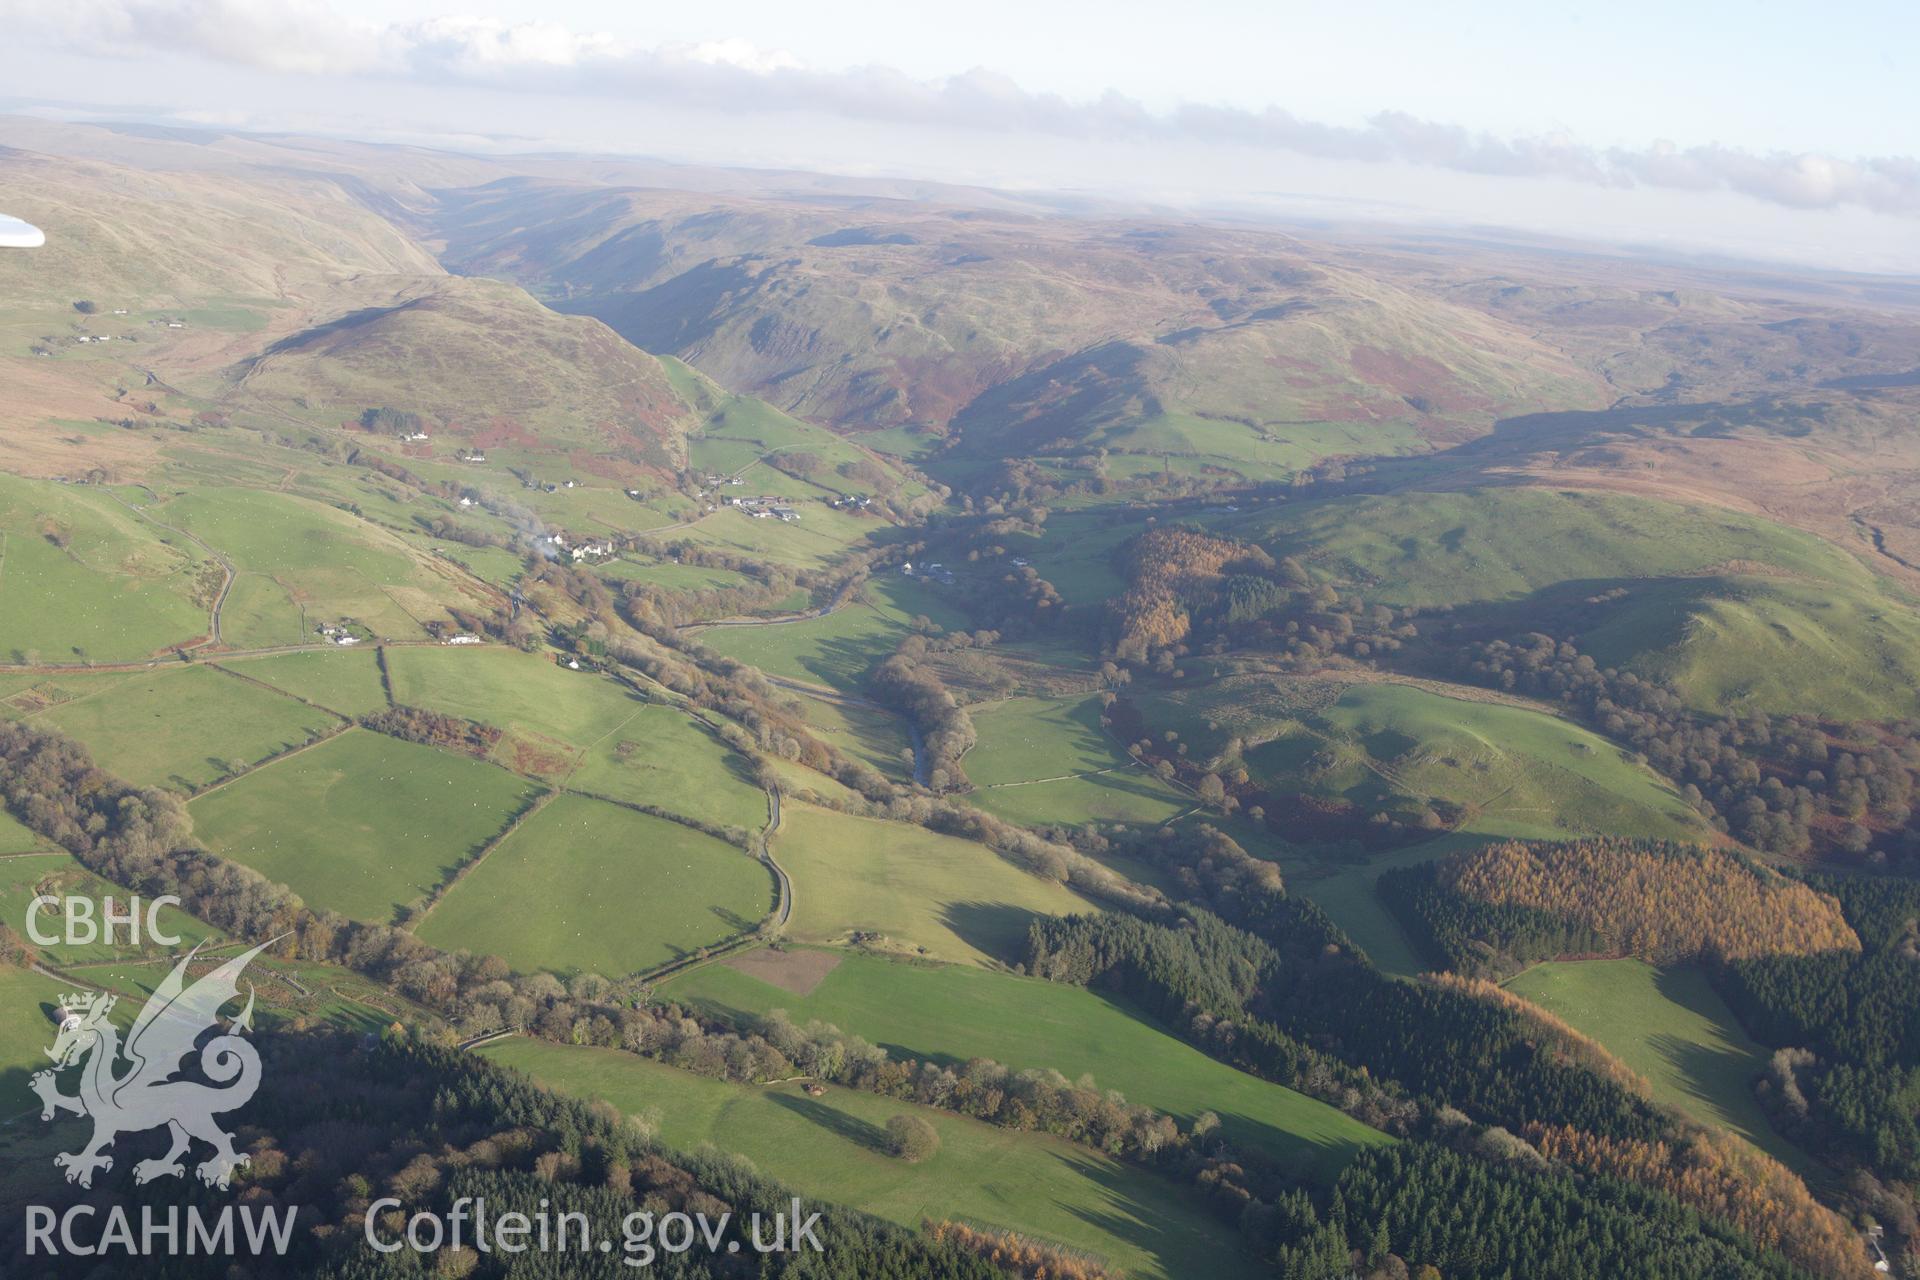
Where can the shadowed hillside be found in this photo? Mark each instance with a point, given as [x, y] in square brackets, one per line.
[1017, 331]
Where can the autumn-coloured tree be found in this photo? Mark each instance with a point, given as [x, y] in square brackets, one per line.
[1577, 1045]
[1017, 1255]
[1657, 900]
[1725, 1179]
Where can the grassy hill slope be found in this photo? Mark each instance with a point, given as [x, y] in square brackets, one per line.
[1671, 1027]
[949, 1014]
[1484, 767]
[911, 889]
[831, 1147]
[1454, 548]
[909, 317]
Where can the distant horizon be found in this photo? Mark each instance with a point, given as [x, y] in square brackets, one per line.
[1282, 212]
[1769, 135]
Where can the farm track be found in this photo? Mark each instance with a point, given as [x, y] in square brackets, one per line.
[285, 693]
[782, 912]
[1062, 777]
[232, 778]
[147, 664]
[588, 749]
[824, 693]
[849, 593]
[219, 557]
[779, 620]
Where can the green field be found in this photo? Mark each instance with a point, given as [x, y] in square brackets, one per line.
[333, 996]
[916, 888]
[291, 551]
[830, 1148]
[1504, 543]
[15, 838]
[1671, 1027]
[1132, 796]
[183, 726]
[1022, 739]
[1185, 443]
[820, 537]
[839, 649]
[1345, 890]
[1047, 760]
[588, 886]
[736, 431]
[495, 565]
[362, 824]
[27, 1029]
[551, 714]
[797, 780]
[60, 874]
[1077, 553]
[83, 579]
[670, 575]
[1741, 645]
[343, 680]
[870, 733]
[1500, 769]
[662, 757]
[950, 1014]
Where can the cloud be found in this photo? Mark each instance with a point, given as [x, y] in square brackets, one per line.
[734, 76]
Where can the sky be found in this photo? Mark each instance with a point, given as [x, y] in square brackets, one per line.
[1765, 129]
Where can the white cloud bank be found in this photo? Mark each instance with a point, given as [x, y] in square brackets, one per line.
[733, 76]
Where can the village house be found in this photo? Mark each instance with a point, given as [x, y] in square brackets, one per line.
[463, 638]
[1874, 1235]
[936, 571]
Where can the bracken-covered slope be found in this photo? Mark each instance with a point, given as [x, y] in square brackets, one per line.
[480, 358]
[1018, 330]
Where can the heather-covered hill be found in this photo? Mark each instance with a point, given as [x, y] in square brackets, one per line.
[141, 239]
[1027, 332]
[478, 357]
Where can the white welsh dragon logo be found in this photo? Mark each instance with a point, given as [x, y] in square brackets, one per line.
[148, 1096]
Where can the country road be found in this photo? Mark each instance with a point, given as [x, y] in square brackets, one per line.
[146, 664]
[848, 594]
[220, 557]
[824, 693]
[784, 912]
